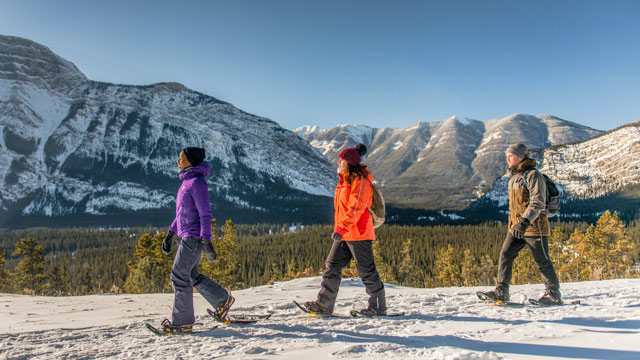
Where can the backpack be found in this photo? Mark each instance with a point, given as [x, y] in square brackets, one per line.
[377, 210]
[552, 202]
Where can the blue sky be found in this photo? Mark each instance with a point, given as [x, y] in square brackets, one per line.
[379, 63]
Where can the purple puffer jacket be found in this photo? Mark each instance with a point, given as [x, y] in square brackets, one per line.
[193, 209]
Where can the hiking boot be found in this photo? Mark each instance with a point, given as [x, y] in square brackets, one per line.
[168, 327]
[373, 312]
[314, 308]
[498, 294]
[551, 297]
[222, 310]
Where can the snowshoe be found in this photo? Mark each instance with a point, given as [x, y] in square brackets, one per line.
[498, 295]
[550, 298]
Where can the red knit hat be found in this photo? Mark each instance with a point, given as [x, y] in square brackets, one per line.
[353, 155]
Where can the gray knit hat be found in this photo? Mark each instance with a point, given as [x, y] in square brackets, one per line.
[519, 150]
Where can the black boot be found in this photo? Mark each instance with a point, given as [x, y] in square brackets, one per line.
[500, 293]
[315, 308]
[551, 297]
[373, 312]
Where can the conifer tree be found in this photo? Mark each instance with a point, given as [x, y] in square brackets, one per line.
[224, 270]
[447, 267]
[387, 275]
[573, 261]
[487, 270]
[59, 281]
[30, 273]
[150, 274]
[616, 246]
[525, 270]
[409, 273]
[470, 270]
[5, 275]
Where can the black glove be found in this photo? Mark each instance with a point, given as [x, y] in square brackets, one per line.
[336, 236]
[209, 251]
[520, 228]
[166, 243]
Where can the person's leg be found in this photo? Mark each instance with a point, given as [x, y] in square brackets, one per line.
[209, 289]
[181, 279]
[363, 254]
[339, 257]
[510, 249]
[539, 248]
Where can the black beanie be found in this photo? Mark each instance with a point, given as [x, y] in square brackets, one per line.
[195, 155]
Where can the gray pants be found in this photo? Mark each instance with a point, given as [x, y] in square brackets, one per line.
[539, 248]
[185, 276]
[339, 257]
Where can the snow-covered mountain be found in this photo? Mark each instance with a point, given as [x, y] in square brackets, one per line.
[588, 169]
[444, 164]
[76, 148]
[441, 323]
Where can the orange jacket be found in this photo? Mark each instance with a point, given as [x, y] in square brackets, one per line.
[352, 218]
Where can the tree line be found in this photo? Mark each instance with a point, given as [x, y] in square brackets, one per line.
[89, 261]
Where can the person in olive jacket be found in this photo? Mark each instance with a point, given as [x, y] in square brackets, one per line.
[192, 224]
[528, 226]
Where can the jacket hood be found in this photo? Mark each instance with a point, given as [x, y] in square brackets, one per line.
[202, 169]
[525, 165]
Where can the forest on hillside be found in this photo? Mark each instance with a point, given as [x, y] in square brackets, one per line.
[75, 261]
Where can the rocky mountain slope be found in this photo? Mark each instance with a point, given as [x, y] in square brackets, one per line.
[93, 152]
[444, 164]
[588, 169]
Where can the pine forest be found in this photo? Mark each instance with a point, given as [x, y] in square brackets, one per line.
[74, 261]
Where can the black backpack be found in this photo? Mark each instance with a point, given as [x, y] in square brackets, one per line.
[552, 204]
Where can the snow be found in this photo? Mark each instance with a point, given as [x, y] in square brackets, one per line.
[443, 323]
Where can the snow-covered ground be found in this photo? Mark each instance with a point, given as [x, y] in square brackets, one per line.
[445, 323]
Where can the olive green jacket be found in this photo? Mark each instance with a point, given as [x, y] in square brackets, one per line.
[527, 199]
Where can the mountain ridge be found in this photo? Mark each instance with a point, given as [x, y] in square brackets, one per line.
[77, 148]
[446, 164]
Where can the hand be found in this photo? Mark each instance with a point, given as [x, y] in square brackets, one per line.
[336, 236]
[209, 251]
[520, 228]
[166, 243]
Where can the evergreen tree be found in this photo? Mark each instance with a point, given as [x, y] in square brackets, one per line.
[150, 274]
[409, 273]
[387, 275]
[224, 270]
[525, 270]
[30, 273]
[5, 275]
[487, 271]
[471, 270]
[447, 266]
[616, 246]
[59, 281]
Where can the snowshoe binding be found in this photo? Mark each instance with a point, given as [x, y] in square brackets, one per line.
[221, 312]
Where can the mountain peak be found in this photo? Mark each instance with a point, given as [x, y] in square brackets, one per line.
[24, 60]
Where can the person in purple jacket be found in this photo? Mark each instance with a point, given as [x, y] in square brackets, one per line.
[193, 226]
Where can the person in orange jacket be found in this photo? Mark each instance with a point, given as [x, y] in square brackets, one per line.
[353, 236]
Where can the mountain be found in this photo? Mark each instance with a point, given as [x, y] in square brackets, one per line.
[444, 164]
[441, 323]
[77, 151]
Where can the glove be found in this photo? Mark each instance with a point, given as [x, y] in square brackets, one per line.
[520, 228]
[336, 236]
[166, 243]
[209, 251]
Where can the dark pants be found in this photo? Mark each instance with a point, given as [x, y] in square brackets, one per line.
[185, 276]
[339, 257]
[539, 248]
